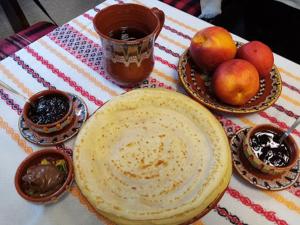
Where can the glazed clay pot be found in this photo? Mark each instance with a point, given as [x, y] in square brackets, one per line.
[261, 165]
[128, 62]
[34, 159]
[51, 127]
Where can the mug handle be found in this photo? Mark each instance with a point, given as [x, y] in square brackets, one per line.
[161, 16]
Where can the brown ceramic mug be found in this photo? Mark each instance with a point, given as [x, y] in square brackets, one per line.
[128, 59]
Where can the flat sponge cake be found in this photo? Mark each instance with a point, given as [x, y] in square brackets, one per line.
[152, 156]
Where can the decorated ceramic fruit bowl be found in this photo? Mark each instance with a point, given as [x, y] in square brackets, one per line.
[197, 82]
[264, 151]
[44, 176]
[49, 111]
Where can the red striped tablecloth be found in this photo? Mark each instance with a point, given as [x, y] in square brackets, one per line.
[70, 58]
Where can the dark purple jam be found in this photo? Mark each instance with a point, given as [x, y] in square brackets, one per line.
[49, 109]
[266, 147]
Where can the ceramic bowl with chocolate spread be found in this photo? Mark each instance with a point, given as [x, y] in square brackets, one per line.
[265, 152]
[49, 111]
[44, 176]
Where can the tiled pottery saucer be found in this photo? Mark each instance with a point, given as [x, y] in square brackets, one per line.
[255, 176]
[81, 112]
[197, 83]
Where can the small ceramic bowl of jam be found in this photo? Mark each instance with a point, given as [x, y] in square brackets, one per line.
[44, 176]
[265, 152]
[49, 111]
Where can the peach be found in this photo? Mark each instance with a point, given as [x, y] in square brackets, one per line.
[259, 54]
[235, 82]
[211, 46]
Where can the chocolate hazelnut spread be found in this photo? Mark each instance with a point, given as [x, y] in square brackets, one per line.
[267, 148]
[49, 109]
[42, 180]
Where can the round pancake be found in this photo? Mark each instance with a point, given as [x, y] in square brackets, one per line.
[152, 156]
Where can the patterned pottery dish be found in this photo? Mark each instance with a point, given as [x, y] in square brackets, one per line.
[49, 111]
[197, 83]
[255, 176]
[54, 138]
[44, 176]
[262, 149]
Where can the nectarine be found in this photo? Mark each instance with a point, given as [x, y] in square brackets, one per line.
[211, 46]
[259, 54]
[235, 82]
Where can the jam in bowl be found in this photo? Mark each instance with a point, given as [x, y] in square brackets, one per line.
[265, 152]
[44, 176]
[49, 111]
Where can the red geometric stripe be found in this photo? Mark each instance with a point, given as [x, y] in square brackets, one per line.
[63, 76]
[284, 110]
[10, 102]
[167, 50]
[269, 215]
[179, 33]
[233, 219]
[291, 87]
[30, 71]
[165, 62]
[274, 120]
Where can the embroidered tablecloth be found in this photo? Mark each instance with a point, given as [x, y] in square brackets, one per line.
[70, 59]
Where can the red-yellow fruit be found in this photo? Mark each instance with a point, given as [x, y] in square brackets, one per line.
[212, 46]
[235, 82]
[259, 54]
